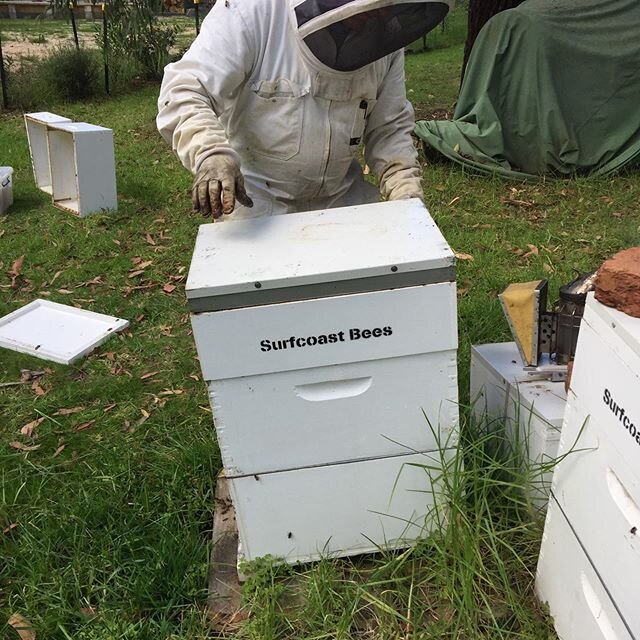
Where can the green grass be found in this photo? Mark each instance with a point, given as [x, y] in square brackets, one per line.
[43, 32]
[111, 534]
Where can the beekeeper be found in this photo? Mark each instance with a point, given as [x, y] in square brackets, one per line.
[270, 104]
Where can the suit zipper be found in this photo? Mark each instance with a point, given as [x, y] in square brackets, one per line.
[325, 163]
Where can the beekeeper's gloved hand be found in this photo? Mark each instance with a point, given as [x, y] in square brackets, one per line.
[401, 181]
[217, 186]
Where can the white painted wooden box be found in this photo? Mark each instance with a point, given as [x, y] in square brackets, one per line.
[597, 482]
[36, 125]
[568, 582]
[83, 173]
[531, 410]
[328, 340]
[6, 188]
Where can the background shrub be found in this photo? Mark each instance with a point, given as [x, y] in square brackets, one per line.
[73, 73]
[66, 75]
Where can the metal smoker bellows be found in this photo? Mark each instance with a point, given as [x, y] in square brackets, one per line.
[546, 339]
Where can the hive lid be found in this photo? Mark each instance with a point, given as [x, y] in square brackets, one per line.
[241, 263]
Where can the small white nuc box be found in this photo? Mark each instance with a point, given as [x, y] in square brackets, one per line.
[328, 343]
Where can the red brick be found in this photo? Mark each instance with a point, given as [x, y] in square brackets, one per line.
[618, 282]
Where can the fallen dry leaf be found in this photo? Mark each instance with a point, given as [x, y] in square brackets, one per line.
[145, 416]
[169, 288]
[26, 375]
[24, 447]
[463, 256]
[90, 612]
[65, 292]
[96, 280]
[22, 626]
[14, 272]
[464, 288]
[68, 412]
[11, 527]
[533, 251]
[139, 272]
[83, 427]
[150, 240]
[109, 407]
[456, 199]
[16, 267]
[59, 450]
[38, 388]
[146, 376]
[28, 428]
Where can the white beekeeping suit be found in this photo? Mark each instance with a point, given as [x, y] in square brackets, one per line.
[277, 95]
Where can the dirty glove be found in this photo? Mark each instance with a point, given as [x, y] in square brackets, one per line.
[217, 185]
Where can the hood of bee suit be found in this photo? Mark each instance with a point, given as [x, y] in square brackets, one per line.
[346, 35]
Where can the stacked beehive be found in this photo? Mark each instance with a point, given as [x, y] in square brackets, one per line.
[589, 568]
[328, 342]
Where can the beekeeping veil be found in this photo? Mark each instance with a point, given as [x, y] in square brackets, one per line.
[346, 35]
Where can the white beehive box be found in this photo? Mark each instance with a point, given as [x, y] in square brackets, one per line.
[597, 483]
[568, 582]
[530, 409]
[6, 188]
[36, 125]
[83, 174]
[328, 340]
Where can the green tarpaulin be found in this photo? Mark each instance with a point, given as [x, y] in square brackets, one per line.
[552, 87]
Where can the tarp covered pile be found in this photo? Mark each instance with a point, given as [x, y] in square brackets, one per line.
[552, 87]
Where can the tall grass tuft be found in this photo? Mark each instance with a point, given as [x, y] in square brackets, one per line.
[470, 578]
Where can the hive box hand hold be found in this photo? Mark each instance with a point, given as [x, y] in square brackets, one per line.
[36, 125]
[328, 342]
[83, 174]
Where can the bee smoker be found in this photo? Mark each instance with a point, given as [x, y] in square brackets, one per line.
[546, 339]
[568, 314]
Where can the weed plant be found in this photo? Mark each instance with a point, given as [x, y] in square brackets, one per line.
[471, 577]
[67, 75]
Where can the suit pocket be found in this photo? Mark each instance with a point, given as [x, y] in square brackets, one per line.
[275, 118]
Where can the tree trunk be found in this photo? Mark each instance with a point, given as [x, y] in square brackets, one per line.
[480, 11]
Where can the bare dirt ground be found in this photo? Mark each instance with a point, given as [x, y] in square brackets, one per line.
[16, 45]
